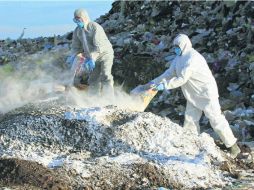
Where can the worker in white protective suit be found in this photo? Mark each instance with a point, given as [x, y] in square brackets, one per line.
[190, 71]
[90, 39]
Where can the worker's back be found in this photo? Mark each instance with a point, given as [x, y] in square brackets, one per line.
[201, 83]
[94, 30]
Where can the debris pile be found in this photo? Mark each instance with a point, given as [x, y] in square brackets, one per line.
[13, 50]
[109, 148]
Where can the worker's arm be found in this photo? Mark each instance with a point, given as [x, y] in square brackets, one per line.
[76, 45]
[98, 39]
[168, 74]
[180, 80]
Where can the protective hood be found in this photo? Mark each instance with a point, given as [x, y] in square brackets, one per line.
[82, 13]
[183, 42]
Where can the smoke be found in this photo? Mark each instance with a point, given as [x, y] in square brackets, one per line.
[32, 77]
[121, 99]
[44, 73]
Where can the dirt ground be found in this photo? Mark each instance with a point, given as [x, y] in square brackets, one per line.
[30, 175]
[27, 175]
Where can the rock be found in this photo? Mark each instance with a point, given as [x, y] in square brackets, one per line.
[229, 115]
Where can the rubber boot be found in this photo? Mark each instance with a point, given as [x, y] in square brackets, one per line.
[234, 150]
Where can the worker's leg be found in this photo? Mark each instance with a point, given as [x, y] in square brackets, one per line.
[106, 76]
[219, 123]
[94, 80]
[192, 117]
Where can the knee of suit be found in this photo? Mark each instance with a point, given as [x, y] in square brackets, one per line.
[192, 116]
[217, 122]
[107, 79]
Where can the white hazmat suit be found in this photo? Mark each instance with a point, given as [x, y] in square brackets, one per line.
[191, 72]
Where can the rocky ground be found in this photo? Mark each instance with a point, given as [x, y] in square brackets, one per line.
[67, 140]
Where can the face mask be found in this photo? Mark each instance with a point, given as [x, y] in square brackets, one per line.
[178, 51]
[79, 23]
